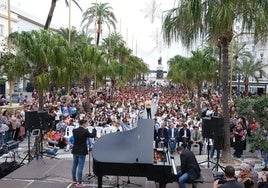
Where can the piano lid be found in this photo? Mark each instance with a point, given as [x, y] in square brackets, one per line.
[133, 146]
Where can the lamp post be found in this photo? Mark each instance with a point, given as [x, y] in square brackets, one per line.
[9, 50]
[70, 13]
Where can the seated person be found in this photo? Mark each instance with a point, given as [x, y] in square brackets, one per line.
[172, 137]
[61, 126]
[62, 142]
[70, 144]
[189, 169]
[162, 135]
[50, 137]
[50, 150]
[196, 138]
[231, 181]
[57, 135]
[184, 136]
[245, 176]
[263, 183]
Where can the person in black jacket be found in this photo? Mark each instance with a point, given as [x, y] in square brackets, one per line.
[80, 150]
[162, 135]
[189, 169]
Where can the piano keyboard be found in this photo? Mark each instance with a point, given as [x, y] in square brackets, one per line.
[173, 166]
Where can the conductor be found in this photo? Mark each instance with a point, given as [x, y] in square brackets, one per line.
[80, 150]
[189, 169]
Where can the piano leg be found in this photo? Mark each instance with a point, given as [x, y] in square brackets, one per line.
[99, 181]
[162, 185]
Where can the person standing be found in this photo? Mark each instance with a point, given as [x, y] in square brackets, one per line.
[148, 106]
[189, 169]
[80, 150]
[240, 143]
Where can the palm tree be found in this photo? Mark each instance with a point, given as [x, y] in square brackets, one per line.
[99, 13]
[39, 49]
[237, 50]
[64, 32]
[122, 66]
[92, 63]
[248, 68]
[193, 19]
[14, 67]
[193, 71]
[51, 11]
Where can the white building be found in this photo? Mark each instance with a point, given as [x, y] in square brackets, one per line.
[260, 53]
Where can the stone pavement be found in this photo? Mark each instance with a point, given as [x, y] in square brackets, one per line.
[22, 151]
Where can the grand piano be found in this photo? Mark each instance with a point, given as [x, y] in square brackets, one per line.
[131, 153]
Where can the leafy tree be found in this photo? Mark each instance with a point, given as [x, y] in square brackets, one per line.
[99, 14]
[195, 19]
[255, 107]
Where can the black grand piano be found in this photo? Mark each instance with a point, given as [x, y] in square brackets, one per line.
[131, 153]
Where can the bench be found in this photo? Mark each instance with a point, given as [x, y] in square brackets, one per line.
[196, 181]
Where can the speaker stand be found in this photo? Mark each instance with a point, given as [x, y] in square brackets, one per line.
[208, 161]
[28, 155]
[217, 165]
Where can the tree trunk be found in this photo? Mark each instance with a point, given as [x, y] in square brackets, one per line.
[50, 14]
[246, 86]
[98, 34]
[198, 105]
[226, 153]
[41, 100]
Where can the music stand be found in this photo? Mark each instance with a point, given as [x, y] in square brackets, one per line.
[90, 175]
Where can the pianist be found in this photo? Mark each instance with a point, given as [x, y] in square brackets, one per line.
[189, 169]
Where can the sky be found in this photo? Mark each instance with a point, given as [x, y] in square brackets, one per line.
[140, 30]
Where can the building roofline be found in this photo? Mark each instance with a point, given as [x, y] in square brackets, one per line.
[21, 14]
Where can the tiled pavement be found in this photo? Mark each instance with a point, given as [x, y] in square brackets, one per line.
[21, 152]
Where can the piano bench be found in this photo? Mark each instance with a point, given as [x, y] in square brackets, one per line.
[196, 181]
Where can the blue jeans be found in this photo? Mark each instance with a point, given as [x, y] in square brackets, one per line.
[266, 159]
[52, 151]
[2, 139]
[182, 179]
[78, 163]
[213, 150]
[172, 145]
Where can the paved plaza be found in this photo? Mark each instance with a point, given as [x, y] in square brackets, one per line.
[57, 171]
